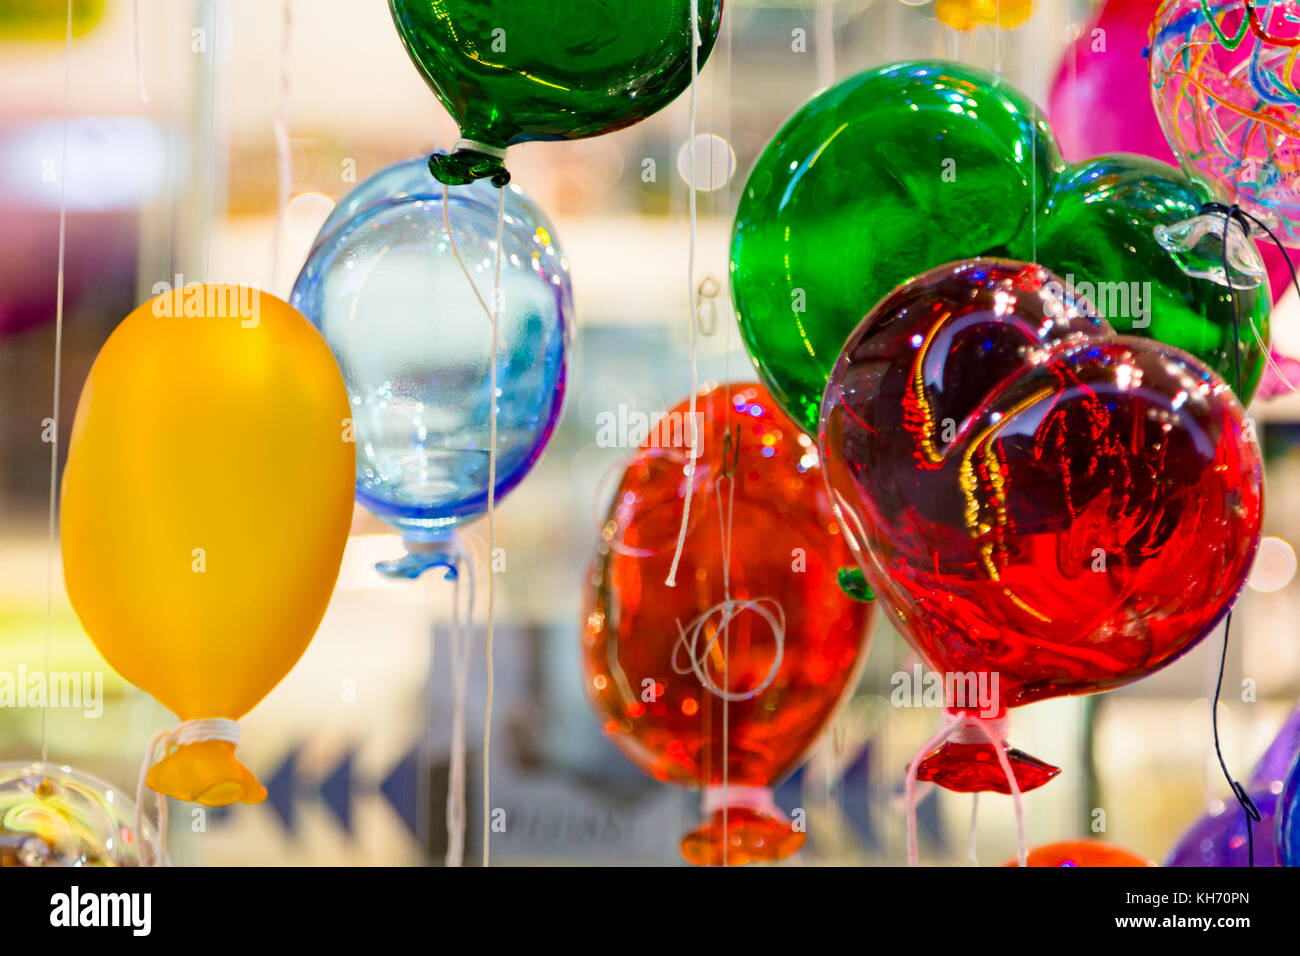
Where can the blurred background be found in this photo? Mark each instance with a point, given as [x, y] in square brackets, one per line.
[172, 168]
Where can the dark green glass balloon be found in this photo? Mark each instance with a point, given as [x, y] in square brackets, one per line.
[878, 179]
[511, 71]
[913, 165]
[1097, 231]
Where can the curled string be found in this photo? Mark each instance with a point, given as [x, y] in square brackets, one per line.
[953, 723]
[692, 638]
[1248, 808]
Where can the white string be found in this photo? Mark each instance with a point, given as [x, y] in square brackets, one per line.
[139, 62]
[961, 724]
[1268, 355]
[494, 316]
[58, 376]
[477, 147]
[283, 152]
[462, 639]
[689, 638]
[451, 239]
[825, 43]
[492, 537]
[188, 732]
[671, 580]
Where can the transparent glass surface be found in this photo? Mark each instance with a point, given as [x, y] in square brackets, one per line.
[414, 345]
[56, 816]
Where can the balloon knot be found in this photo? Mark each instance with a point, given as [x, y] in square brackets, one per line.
[469, 163]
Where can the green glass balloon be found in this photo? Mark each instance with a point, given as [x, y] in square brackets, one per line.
[1097, 231]
[913, 165]
[878, 179]
[512, 71]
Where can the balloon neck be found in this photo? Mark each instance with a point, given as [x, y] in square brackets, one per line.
[968, 761]
[470, 160]
[422, 556]
[744, 825]
[854, 584]
[207, 772]
[1215, 244]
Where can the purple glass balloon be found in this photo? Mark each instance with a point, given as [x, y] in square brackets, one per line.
[1219, 839]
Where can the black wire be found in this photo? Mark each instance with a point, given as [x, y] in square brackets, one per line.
[1243, 219]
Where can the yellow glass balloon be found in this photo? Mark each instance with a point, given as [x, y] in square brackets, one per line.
[967, 14]
[206, 504]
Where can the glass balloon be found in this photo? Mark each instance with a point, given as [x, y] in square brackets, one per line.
[1219, 838]
[968, 14]
[1224, 82]
[912, 165]
[385, 289]
[512, 72]
[724, 681]
[1033, 498]
[57, 816]
[1091, 853]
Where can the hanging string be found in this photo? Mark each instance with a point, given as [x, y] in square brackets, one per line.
[141, 90]
[58, 376]
[494, 316]
[691, 638]
[461, 641]
[492, 538]
[1245, 220]
[959, 725]
[283, 151]
[1249, 810]
[188, 732]
[469, 278]
[825, 43]
[671, 580]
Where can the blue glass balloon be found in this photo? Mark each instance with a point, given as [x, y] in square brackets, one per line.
[383, 286]
[1288, 818]
[411, 178]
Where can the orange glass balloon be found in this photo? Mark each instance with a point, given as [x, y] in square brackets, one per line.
[968, 14]
[206, 504]
[1082, 853]
[733, 673]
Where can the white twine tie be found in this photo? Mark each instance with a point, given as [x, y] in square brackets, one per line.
[189, 732]
[966, 728]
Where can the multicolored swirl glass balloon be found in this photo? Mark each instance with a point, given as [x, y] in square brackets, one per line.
[512, 72]
[724, 681]
[906, 167]
[57, 816]
[1224, 81]
[414, 344]
[1034, 499]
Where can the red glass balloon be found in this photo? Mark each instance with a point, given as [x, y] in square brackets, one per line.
[1038, 502]
[1082, 853]
[733, 673]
